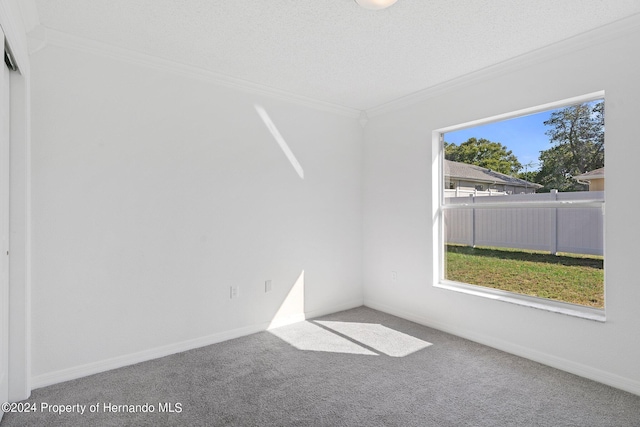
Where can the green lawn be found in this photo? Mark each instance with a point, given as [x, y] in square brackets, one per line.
[577, 279]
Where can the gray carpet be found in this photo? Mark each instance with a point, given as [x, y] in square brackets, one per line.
[355, 368]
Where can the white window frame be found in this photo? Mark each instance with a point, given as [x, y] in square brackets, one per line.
[437, 192]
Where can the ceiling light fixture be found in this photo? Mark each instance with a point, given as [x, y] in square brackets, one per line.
[375, 4]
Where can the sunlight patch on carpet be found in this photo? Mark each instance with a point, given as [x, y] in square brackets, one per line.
[378, 337]
[310, 337]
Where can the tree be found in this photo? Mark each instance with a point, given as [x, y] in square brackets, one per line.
[577, 133]
[530, 176]
[484, 153]
[555, 172]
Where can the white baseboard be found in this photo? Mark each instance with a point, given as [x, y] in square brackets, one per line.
[295, 318]
[334, 309]
[75, 372]
[141, 356]
[575, 368]
[288, 320]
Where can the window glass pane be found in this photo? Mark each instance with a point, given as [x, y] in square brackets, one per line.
[527, 213]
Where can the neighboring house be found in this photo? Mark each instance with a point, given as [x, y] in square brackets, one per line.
[594, 178]
[462, 179]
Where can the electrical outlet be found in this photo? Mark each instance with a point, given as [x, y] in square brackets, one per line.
[394, 276]
[234, 292]
[267, 286]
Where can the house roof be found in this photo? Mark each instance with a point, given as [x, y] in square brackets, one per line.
[594, 174]
[465, 171]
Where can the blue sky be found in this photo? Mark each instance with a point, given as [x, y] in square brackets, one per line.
[522, 135]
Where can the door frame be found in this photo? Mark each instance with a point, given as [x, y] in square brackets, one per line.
[5, 206]
[12, 25]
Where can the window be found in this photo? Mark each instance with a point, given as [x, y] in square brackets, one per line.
[541, 244]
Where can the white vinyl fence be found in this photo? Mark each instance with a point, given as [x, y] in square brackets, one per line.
[461, 192]
[576, 230]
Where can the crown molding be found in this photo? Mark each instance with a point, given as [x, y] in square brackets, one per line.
[29, 13]
[617, 29]
[43, 36]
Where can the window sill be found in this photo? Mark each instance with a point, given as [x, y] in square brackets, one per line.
[553, 306]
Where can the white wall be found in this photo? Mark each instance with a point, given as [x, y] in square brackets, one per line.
[153, 193]
[398, 212]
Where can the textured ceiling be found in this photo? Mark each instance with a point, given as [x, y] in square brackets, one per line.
[333, 50]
